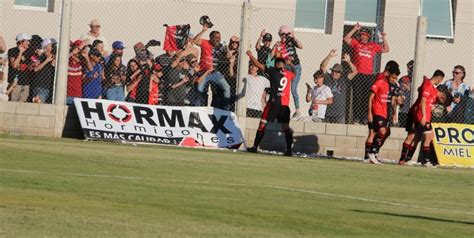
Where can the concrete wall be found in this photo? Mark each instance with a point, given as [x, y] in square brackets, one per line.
[39, 120]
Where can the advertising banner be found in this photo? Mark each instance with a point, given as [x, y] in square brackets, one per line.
[454, 144]
[185, 126]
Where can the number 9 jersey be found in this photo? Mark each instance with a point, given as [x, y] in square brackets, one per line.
[280, 85]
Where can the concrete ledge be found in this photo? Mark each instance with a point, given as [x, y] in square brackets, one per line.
[27, 108]
[346, 142]
[39, 121]
[7, 107]
[336, 129]
[314, 128]
[47, 110]
[357, 130]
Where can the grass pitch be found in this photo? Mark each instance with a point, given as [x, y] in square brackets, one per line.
[64, 188]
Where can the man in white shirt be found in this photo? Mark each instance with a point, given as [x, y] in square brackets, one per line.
[94, 34]
[320, 97]
[256, 96]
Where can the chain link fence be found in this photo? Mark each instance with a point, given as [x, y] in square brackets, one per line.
[158, 52]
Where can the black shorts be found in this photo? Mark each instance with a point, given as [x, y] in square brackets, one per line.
[377, 123]
[274, 111]
[410, 123]
[420, 129]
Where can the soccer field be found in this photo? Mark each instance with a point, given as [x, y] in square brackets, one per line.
[64, 188]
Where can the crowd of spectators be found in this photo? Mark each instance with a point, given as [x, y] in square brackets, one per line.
[204, 72]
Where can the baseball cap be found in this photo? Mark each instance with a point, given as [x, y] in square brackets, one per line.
[336, 67]
[77, 43]
[284, 30]
[47, 41]
[267, 37]
[95, 22]
[118, 45]
[22, 37]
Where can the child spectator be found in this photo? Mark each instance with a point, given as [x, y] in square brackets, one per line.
[320, 96]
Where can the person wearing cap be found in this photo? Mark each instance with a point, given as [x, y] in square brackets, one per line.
[363, 52]
[93, 75]
[213, 56]
[405, 89]
[75, 73]
[117, 49]
[18, 73]
[176, 80]
[45, 71]
[94, 34]
[286, 48]
[233, 58]
[338, 81]
[263, 49]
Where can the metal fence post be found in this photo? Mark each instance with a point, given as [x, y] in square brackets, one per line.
[419, 56]
[63, 54]
[241, 104]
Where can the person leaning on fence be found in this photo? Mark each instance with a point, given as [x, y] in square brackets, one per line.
[94, 75]
[94, 34]
[176, 80]
[112, 69]
[255, 91]
[118, 48]
[320, 96]
[133, 78]
[75, 73]
[18, 70]
[458, 90]
[264, 50]
[337, 81]
[45, 71]
[286, 49]
[213, 55]
[232, 58]
[363, 53]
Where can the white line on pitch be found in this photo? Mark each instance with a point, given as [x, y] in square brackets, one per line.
[239, 184]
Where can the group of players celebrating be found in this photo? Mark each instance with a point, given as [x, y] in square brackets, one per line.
[383, 101]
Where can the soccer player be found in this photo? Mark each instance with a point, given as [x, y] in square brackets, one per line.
[381, 98]
[380, 76]
[277, 106]
[419, 120]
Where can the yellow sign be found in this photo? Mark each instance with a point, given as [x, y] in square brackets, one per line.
[454, 144]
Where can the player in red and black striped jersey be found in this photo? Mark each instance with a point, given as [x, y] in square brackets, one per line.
[418, 124]
[277, 106]
[382, 98]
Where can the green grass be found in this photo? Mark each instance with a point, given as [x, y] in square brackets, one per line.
[64, 188]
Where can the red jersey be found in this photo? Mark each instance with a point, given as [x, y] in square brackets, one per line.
[280, 85]
[428, 91]
[383, 96]
[74, 78]
[206, 55]
[364, 55]
[212, 56]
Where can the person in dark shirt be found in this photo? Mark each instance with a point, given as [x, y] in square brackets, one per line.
[176, 80]
[18, 71]
[264, 50]
[45, 71]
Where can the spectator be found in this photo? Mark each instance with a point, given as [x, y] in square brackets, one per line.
[337, 81]
[45, 72]
[256, 85]
[145, 86]
[166, 59]
[231, 75]
[94, 75]
[456, 86]
[263, 49]
[154, 90]
[364, 53]
[116, 92]
[469, 111]
[94, 34]
[176, 80]
[133, 78]
[213, 55]
[18, 73]
[286, 48]
[320, 96]
[74, 73]
[405, 89]
[2, 64]
[3, 47]
[116, 67]
[190, 48]
[117, 49]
